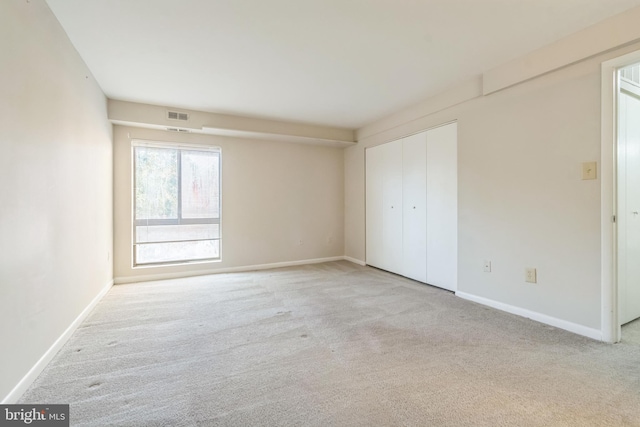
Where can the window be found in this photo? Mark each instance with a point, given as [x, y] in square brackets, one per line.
[176, 195]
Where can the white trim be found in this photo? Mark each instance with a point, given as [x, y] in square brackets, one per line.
[179, 275]
[611, 331]
[630, 87]
[608, 234]
[33, 373]
[355, 261]
[533, 315]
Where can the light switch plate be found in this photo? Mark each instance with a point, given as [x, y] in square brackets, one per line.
[589, 170]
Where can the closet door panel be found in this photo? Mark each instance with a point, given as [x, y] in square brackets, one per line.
[392, 209]
[414, 216]
[442, 207]
[374, 171]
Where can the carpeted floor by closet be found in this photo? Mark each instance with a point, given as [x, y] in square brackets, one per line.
[331, 344]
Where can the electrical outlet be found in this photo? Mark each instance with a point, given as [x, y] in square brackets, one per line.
[300, 242]
[530, 275]
[487, 267]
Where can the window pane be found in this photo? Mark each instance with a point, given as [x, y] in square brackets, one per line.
[200, 184]
[156, 186]
[148, 253]
[177, 204]
[167, 233]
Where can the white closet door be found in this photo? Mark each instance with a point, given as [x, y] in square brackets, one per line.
[414, 199]
[374, 171]
[392, 209]
[442, 207]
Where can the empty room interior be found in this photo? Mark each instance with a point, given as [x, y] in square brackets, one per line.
[327, 212]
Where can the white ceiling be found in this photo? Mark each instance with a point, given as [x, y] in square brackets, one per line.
[342, 63]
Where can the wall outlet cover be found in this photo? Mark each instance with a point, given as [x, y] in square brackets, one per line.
[487, 267]
[530, 275]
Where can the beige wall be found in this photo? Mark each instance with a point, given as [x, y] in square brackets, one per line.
[273, 195]
[55, 186]
[521, 200]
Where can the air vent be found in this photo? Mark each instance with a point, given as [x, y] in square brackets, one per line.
[174, 115]
[177, 130]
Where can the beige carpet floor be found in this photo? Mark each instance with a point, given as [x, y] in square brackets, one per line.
[331, 344]
[631, 332]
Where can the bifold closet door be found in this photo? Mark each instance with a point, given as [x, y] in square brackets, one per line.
[374, 170]
[414, 200]
[384, 206]
[442, 207]
[392, 208]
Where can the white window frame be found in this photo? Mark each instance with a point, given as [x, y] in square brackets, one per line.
[179, 220]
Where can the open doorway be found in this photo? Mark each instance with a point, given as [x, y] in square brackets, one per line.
[628, 201]
[610, 230]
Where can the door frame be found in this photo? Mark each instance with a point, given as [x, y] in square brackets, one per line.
[609, 321]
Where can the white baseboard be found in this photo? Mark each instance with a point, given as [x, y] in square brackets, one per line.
[595, 334]
[33, 373]
[354, 260]
[244, 268]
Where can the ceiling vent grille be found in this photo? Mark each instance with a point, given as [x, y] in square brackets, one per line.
[177, 130]
[175, 115]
